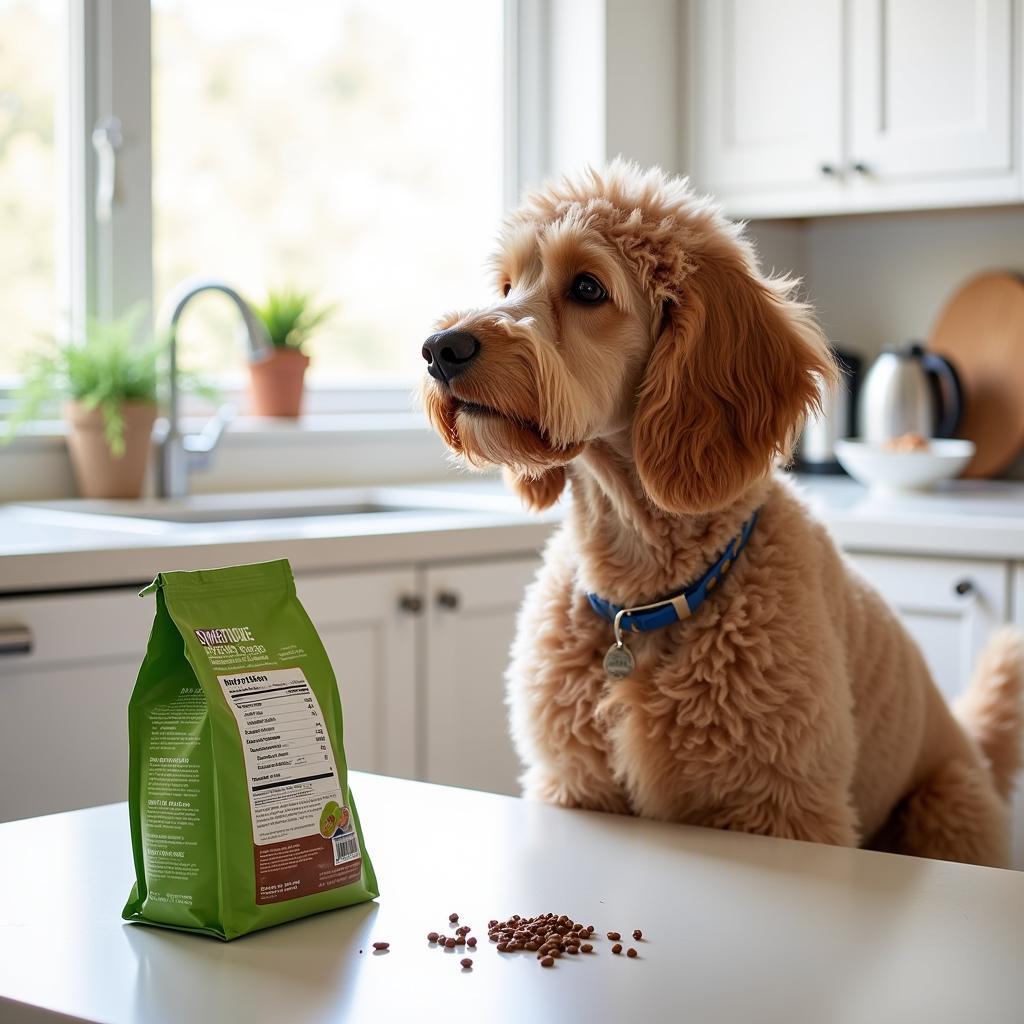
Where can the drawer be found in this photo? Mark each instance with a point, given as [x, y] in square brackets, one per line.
[39, 632]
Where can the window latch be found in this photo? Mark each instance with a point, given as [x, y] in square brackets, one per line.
[107, 139]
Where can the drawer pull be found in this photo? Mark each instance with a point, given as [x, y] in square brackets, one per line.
[15, 640]
[964, 587]
[412, 604]
[448, 599]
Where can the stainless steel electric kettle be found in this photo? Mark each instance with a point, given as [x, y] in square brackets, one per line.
[909, 390]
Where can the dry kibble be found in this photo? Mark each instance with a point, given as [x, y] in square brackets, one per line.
[453, 918]
[547, 962]
[531, 946]
[573, 949]
[614, 936]
[617, 948]
[466, 962]
[471, 941]
[631, 952]
[586, 948]
[637, 934]
[449, 943]
[432, 936]
[460, 940]
[492, 924]
[502, 947]
[381, 945]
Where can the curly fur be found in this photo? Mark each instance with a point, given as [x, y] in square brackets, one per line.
[794, 703]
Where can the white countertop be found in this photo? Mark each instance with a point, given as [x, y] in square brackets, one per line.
[66, 544]
[735, 927]
[54, 546]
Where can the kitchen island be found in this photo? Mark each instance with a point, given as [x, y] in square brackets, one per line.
[735, 927]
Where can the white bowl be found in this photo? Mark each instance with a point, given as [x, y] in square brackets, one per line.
[881, 469]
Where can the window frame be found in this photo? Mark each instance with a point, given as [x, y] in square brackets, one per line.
[107, 268]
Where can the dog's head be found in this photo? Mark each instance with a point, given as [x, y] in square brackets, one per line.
[627, 307]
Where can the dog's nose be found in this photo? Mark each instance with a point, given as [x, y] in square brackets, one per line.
[449, 353]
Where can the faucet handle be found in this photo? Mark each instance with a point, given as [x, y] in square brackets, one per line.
[203, 443]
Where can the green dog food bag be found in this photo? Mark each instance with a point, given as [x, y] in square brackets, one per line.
[241, 813]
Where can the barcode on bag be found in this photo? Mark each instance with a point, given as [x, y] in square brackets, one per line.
[346, 848]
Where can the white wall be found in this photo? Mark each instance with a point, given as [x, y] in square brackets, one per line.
[882, 280]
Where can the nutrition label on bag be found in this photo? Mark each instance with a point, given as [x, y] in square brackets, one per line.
[300, 825]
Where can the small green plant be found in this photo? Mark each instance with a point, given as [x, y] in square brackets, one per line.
[291, 316]
[110, 366]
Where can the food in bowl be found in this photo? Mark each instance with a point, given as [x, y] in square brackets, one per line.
[882, 469]
[909, 442]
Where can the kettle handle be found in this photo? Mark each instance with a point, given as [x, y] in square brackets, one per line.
[949, 387]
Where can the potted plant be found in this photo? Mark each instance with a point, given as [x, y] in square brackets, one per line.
[109, 381]
[276, 380]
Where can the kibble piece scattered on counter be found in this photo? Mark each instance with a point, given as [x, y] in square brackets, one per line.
[637, 934]
[466, 962]
[631, 952]
[614, 936]
[449, 943]
[471, 941]
[617, 948]
[586, 948]
[432, 936]
[381, 946]
[453, 918]
[547, 962]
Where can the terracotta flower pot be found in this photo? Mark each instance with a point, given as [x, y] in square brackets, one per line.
[276, 383]
[98, 473]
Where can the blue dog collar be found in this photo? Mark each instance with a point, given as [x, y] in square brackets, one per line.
[678, 606]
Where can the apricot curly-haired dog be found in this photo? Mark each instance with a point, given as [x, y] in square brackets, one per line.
[636, 350]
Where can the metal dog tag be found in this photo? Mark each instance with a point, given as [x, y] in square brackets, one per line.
[618, 662]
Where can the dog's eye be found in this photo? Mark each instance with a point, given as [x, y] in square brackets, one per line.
[507, 288]
[587, 289]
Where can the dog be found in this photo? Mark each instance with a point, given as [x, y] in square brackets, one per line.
[635, 350]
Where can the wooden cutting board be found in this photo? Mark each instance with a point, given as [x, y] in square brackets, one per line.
[981, 332]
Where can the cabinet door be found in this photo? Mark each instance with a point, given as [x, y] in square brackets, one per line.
[949, 606]
[65, 680]
[931, 88]
[766, 95]
[368, 624]
[470, 624]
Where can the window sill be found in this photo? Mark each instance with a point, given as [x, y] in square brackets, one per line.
[320, 450]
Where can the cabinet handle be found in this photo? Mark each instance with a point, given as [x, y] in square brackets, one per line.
[964, 587]
[860, 168]
[411, 603]
[15, 640]
[448, 599]
[828, 170]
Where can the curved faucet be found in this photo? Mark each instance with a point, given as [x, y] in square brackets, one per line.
[179, 454]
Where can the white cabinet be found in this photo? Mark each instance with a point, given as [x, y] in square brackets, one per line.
[804, 107]
[470, 624]
[931, 87]
[757, 123]
[950, 606]
[64, 692]
[368, 626]
[419, 652]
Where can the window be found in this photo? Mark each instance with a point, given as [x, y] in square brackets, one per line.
[352, 148]
[30, 45]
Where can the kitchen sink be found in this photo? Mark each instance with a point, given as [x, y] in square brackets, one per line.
[147, 514]
[250, 513]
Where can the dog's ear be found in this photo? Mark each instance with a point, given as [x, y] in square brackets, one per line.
[537, 492]
[734, 370]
